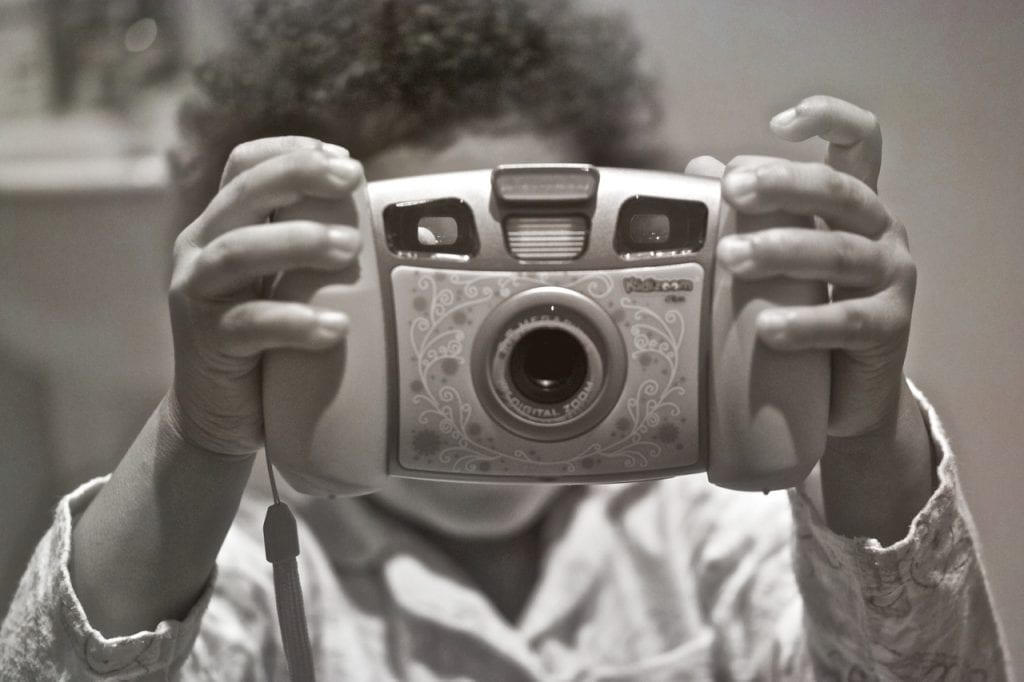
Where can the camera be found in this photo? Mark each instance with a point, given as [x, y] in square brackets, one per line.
[543, 323]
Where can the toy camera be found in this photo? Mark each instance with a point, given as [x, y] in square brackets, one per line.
[543, 323]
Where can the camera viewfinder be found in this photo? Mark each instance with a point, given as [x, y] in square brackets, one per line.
[653, 226]
[648, 228]
[437, 226]
[438, 230]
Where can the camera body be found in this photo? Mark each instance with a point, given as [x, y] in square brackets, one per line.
[543, 323]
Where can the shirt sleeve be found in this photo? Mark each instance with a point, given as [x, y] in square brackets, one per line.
[917, 609]
[47, 635]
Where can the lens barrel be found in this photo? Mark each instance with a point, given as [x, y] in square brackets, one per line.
[548, 364]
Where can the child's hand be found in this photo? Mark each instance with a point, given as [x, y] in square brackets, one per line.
[220, 321]
[863, 255]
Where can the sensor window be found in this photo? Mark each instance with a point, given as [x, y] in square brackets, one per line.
[546, 237]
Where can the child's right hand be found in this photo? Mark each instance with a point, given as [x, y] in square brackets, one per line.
[220, 320]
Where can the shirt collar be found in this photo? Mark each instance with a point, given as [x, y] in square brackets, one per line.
[578, 536]
[354, 534]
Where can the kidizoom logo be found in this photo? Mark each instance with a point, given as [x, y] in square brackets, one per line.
[649, 285]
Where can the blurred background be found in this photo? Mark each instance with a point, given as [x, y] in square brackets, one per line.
[88, 90]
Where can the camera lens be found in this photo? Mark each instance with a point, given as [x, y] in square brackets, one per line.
[548, 365]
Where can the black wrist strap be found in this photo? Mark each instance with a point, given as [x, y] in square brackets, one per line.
[281, 540]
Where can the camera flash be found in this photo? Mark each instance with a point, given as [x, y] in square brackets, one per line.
[554, 183]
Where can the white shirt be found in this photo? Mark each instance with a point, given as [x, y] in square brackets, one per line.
[665, 580]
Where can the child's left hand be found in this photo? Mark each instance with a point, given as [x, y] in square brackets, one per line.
[863, 255]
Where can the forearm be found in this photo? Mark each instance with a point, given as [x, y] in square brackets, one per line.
[145, 547]
[898, 610]
[873, 486]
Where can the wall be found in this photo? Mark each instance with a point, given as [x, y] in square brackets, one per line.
[84, 336]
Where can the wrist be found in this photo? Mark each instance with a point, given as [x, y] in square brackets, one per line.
[875, 483]
[144, 548]
[879, 450]
[186, 433]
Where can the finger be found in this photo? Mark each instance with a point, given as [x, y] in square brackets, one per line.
[234, 259]
[841, 258]
[853, 134]
[707, 166]
[807, 189]
[278, 182]
[856, 324]
[255, 326]
[254, 152]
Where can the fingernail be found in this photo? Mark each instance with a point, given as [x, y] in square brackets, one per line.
[741, 185]
[343, 170]
[334, 150]
[735, 253]
[771, 326]
[342, 242]
[330, 327]
[784, 118]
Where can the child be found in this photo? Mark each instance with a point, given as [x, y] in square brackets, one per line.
[158, 571]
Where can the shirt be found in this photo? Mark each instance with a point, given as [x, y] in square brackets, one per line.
[666, 580]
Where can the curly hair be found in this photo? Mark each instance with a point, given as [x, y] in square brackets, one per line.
[372, 74]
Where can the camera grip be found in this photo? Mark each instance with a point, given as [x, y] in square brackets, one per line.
[768, 409]
[325, 413]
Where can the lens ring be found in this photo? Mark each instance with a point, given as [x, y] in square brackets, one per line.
[568, 411]
[507, 387]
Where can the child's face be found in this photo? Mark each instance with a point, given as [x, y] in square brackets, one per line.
[466, 509]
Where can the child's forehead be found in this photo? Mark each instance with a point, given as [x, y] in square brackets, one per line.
[472, 150]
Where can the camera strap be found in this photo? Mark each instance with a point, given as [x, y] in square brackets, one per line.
[281, 541]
